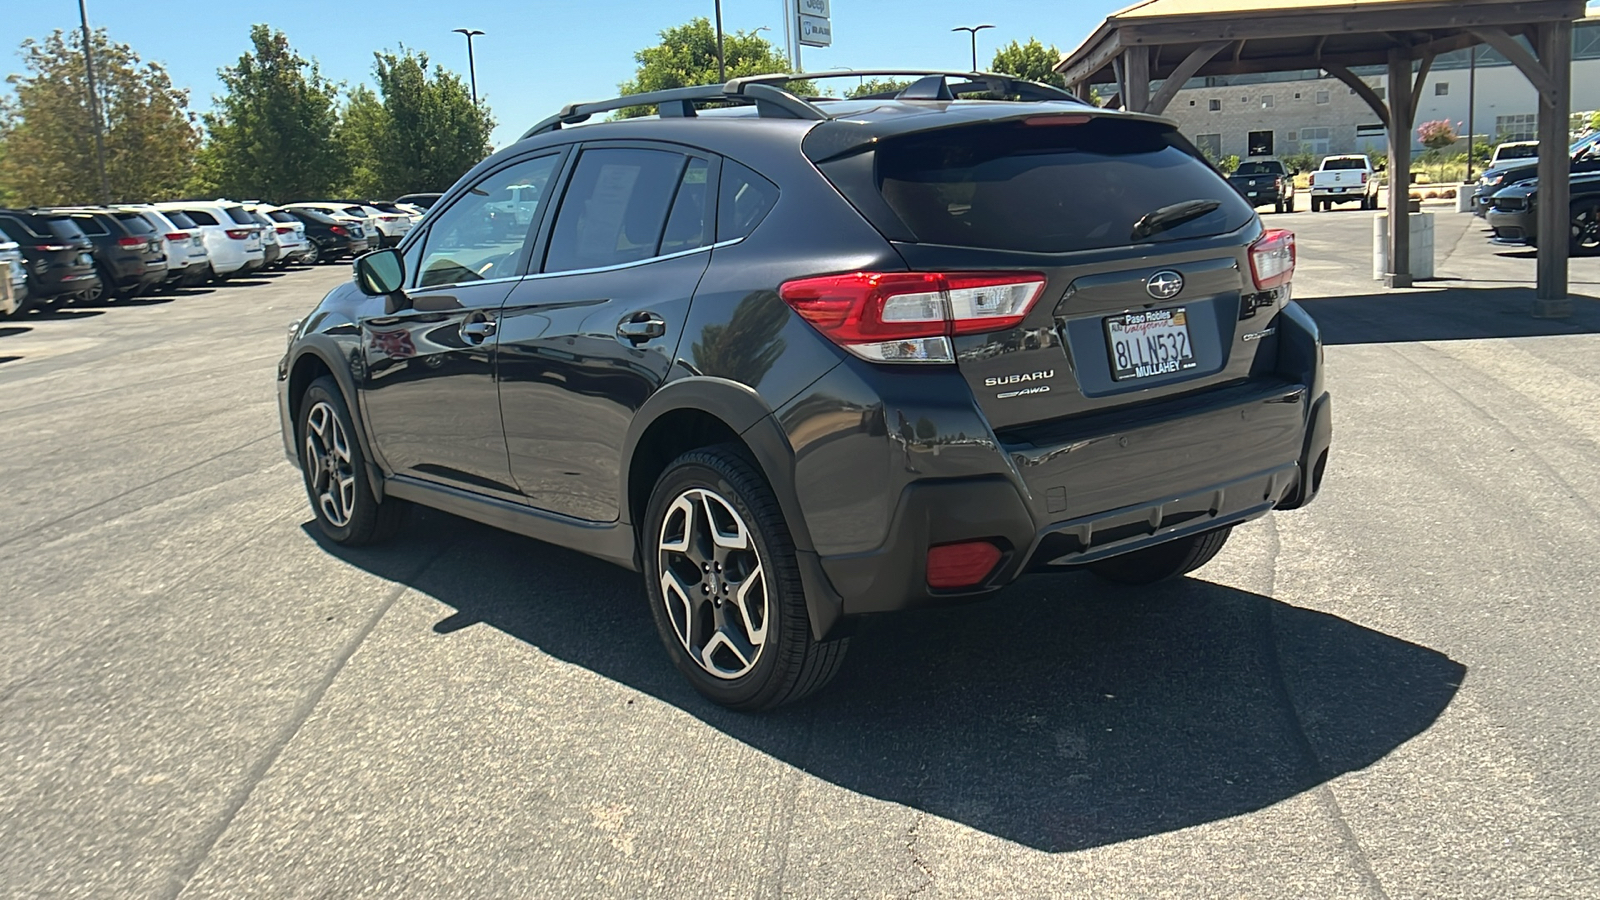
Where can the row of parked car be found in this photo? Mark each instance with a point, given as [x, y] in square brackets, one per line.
[59, 255]
[1507, 197]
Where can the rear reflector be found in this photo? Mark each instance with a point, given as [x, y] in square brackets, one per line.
[961, 565]
[1272, 259]
[911, 316]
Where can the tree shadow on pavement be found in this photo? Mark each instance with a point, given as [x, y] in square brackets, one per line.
[1448, 314]
[1062, 715]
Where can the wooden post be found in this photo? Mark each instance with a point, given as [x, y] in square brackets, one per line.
[1555, 195]
[1085, 91]
[1136, 76]
[1400, 116]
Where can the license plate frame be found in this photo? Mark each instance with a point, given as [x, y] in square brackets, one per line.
[1155, 342]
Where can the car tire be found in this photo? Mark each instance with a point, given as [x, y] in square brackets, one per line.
[1585, 229]
[313, 254]
[1317, 206]
[1278, 207]
[739, 632]
[1289, 205]
[103, 292]
[335, 472]
[1162, 561]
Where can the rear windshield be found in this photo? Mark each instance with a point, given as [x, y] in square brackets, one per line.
[311, 215]
[135, 223]
[1051, 189]
[1348, 163]
[238, 215]
[1259, 168]
[180, 219]
[1525, 152]
[279, 215]
[356, 211]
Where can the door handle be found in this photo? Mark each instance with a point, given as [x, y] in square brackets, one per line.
[476, 331]
[641, 326]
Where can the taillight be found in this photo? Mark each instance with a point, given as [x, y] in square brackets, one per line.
[285, 229]
[239, 234]
[911, 316]
[961, 565]
[1272, 259]
[52, 248]
[1278, 182]
[177, 236]
[132, 242]
[1363, 178]
[338, 229]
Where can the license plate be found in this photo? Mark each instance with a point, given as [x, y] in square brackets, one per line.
[1251, 194]
[1150, 343]
[1338, 190]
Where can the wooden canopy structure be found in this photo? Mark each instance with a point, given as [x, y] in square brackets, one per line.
[1172, 41]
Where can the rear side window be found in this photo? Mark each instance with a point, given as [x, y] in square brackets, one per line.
[65, 229]
[179, 219]
[743, 202]
[238, 215]
[135, 223]
[91, 225]
[615, 209]
[1051, 189]
[201, 217]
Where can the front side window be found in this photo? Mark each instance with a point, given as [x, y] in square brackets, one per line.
[481, 235]
[615, 210]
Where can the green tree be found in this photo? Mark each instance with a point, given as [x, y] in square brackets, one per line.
[879, 86]
[272, 132]
[49, 155]
[1032, 61]
[422, 136]
[687, 55]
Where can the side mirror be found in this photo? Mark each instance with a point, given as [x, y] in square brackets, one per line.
[380, 272]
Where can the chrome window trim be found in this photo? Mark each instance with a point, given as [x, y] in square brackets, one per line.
[461, 284]
[638, 262]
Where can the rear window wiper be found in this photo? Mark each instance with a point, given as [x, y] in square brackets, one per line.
[1168, 216]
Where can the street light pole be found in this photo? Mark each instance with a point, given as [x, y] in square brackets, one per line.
[722, 59]
[973, 30]
[94, 106]
[472, 66]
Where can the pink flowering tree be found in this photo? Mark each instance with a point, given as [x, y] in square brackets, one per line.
[1436, 136]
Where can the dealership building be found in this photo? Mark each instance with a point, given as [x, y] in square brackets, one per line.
[1284, 113]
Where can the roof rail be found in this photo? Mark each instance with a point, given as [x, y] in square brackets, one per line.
[773, 99]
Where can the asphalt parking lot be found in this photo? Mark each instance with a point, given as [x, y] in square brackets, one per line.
[1393, 693]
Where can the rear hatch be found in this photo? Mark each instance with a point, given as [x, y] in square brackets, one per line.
[57, 249]
[142, 239]
[1147, 307]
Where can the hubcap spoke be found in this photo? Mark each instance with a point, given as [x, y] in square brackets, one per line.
[329, 465]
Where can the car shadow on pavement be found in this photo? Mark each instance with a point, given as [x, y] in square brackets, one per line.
[1449, 314]
[66, 313]
[1063, 714]
[9, 330]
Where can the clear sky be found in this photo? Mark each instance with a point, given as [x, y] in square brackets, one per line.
[538, 54]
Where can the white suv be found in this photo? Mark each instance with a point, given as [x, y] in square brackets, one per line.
[387, 233]
[292, 240]
[232, 237]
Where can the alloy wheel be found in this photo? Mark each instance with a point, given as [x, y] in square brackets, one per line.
[313, 254]
[1586, 230]
[713, 583]
[330, 470]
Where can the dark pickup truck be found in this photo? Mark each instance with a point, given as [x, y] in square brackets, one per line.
[1263, 181]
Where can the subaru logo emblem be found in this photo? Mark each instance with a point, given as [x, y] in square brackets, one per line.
[1164, 285]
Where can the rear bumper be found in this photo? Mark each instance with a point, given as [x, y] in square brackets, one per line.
[1215, 468]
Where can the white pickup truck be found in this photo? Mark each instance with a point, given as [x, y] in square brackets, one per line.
[1341, 179]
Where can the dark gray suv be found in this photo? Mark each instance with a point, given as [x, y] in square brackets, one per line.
[801, 360]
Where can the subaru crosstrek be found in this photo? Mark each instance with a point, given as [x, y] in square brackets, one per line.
[800, 361]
